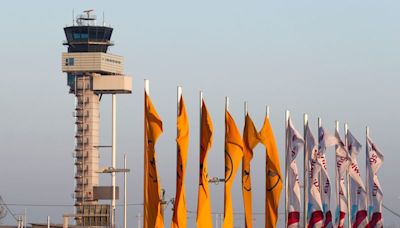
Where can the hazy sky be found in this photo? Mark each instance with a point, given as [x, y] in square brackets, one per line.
[335, 60]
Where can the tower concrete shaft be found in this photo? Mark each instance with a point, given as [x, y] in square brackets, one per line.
[87, 141]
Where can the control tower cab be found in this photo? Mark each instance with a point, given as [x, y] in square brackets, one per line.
[86, 36]
[91, 73]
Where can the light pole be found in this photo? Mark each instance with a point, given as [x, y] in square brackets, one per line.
[112, 171]
[125, 196]
[113, 157]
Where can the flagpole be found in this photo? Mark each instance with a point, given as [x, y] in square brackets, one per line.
[201, 106]
[178, 99]
[227, 103]
[346, 129]
[320, 172]
[337, 181]
[226, 110]
[366, 168]
[146, 91]
[200, 129]
[178, 107]
[245, 109]
[305, 195]
[266, 172]
[287, 116]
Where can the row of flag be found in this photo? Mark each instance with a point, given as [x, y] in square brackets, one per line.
[360, 203]
[365, 200]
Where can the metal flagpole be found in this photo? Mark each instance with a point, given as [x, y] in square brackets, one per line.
[178, 107]
[346, 141]
[266, 172]
[178, 95]
[146, 91]
[201, 106]
[226, 110]
[200, 129]
[366, 168]
[305, 192]
[287, 116]
[337, 181]
[227, 103]
[320, 172]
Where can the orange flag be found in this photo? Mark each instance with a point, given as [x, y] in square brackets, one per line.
[250, 140]
[204, 218]
[273, 175]
[152, 203]
[233, 156]
[182, 141]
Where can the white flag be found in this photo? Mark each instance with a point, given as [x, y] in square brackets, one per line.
[343, 161]
[325, 140]
[316, 216]
[295, 142]
[375, 195]
[358, 194]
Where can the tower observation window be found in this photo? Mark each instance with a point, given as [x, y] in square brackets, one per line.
[81, 36]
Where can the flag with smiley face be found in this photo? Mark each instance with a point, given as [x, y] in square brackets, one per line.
[233, 157]
[250, 140]
[204, 218]
[273, 182]
[182, 141]
[152, 203]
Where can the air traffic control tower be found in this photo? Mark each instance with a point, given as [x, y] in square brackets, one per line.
[92, 73]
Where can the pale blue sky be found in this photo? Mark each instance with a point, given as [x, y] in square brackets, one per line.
[337, 60]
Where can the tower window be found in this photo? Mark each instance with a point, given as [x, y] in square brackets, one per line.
[81, 36]
[69, 61]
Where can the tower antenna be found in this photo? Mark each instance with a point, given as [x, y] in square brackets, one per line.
[88, 12]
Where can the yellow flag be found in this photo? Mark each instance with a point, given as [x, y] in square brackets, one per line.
[250, 140]
[233, 156]
[182, 141]
[152, 201]
[204, 218]
[273, 175]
